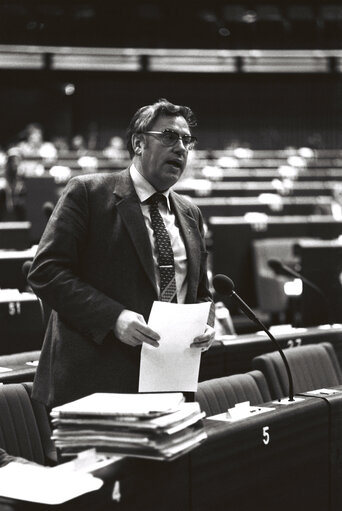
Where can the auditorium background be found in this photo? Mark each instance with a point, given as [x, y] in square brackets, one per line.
[264, 80]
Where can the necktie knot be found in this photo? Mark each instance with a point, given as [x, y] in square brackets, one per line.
[156, 198]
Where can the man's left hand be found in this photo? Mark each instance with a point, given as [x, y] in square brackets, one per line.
[205, 340]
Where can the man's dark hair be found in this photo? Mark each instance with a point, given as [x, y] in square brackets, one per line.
[145, 117]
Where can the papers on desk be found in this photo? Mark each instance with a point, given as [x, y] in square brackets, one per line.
[116, 404]
[5, 369]
[34, 483]
[241, 411]
[146, 429]
[323, 392]
[33, 363]
[173, 366]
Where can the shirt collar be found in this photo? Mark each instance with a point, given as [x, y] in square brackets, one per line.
[143, 188]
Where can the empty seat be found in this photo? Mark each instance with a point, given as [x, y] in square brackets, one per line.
[312, 366]
[24, 425]
[217, 395]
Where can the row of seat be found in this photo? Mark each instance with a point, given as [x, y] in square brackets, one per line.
[25, 428]
[312, 366]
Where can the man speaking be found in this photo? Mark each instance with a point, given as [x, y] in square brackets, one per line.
[115, 243]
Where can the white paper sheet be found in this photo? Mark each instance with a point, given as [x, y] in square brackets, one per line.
[173, 366]
[34, 483]
[106, 403]
[5, 369]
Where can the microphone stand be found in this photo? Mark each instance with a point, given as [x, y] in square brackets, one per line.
[244, 307]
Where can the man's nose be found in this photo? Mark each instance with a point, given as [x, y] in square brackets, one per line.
[179, 146]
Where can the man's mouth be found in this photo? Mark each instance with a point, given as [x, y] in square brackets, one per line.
[175, 163]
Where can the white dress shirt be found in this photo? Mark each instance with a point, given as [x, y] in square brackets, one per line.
[144, 191]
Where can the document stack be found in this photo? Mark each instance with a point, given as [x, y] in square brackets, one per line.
[158, 425]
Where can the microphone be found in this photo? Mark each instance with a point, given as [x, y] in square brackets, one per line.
[280, 268]
[225, 286]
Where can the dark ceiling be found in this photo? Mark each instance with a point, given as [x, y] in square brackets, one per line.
[173, 24]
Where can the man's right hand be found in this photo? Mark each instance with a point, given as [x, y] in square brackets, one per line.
[131, 328]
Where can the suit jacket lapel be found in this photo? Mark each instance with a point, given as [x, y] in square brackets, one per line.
[190, 234]
[128, 205]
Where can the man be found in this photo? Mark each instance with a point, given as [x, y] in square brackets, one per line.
[98, 262]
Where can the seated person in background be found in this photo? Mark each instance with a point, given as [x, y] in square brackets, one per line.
[115, 149]
[78, 145]
[12, 190]
[61, 145]
[36, 153]
[34, 144]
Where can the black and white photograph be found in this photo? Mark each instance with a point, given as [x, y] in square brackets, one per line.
[170, 255]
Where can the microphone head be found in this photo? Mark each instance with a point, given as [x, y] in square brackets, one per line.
[275, 265]
[223, 285]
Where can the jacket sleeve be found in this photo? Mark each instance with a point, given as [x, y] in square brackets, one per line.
[54, 272]
[204, 293]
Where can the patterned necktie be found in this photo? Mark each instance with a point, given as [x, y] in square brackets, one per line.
[166, 263]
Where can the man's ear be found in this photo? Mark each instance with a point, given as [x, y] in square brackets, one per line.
[137, 143]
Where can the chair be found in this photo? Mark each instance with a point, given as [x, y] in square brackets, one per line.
[312, 366]
[24, 425]
[217, 395]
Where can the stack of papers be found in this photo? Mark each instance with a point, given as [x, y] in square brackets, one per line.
[158, 426]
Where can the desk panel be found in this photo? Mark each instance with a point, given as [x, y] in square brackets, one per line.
[253, 189]
[15, 235]
[214, 206]
[274, 461]
[279, 460]
[21, 324]
[39, 189]
[334, 402]
[155, 485]
[11, 263]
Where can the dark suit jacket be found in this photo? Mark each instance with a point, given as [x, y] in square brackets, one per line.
[94, 260]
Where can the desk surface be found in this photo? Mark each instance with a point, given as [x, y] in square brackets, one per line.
[276, 460]
[279, 460]
[232, 354]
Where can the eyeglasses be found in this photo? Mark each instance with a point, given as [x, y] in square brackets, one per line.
[170, 138]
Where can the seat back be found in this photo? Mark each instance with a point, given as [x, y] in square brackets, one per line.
[24, 425]
[312, 366]
[217, 395]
